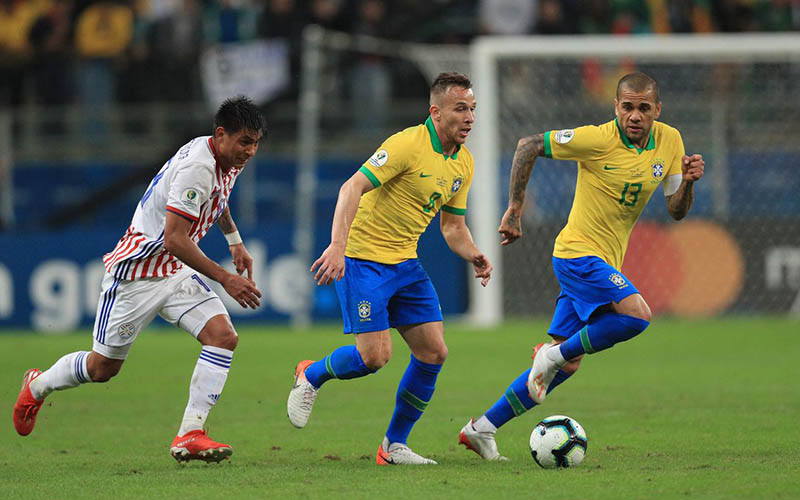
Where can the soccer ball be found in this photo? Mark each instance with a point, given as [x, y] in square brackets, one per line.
[558, 441]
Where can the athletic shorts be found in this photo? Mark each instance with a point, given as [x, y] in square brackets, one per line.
[127, 307]
[375, 297]
[586, 284]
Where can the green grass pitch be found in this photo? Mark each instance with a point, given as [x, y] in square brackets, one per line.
[690, 409]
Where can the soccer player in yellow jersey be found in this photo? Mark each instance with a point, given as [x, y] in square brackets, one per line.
[620, 165]
[380, 214]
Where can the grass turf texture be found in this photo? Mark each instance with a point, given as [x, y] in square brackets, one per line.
[700, 409]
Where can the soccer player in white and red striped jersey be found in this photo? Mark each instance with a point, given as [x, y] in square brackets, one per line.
[157, 268]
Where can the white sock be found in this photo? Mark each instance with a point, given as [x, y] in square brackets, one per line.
[69, 371]
[208, 380]
[484, 425]
[554, 354]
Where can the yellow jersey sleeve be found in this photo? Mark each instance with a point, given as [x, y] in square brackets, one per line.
[391, 159]
[583, 143]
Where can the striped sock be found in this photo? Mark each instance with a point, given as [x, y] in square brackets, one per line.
[343, 363]
[516, 399]
[413, 395]
[601, 333]
[208, 379]
[69, 371]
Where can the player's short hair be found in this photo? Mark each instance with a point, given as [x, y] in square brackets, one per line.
[639, 82]
[238, 113]
[446, 80]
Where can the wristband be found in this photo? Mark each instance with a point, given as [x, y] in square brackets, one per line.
[233, 238]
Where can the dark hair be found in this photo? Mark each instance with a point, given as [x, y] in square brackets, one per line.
[639, 82]
[446, 80]
[238, 113]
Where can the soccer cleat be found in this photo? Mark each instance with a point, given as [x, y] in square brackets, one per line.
[301, 397]
[27, 407]
[481, 443]
[196, 445]
[542, 372]
[399, 454]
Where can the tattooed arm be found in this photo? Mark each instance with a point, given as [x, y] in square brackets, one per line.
[528, 149]
[225, 221]
[679, 203]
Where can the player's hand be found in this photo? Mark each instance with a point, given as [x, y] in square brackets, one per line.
[693, 167]
[242, 260]
[330, 265]
[510, 227]
[483, 268]
[242, 290]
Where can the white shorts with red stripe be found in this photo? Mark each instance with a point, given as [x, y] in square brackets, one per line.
[125, 308]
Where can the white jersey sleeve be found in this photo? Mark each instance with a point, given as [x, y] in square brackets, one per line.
[190, 188]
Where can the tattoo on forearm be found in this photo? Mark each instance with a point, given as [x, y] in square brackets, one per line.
[681, 201]
[225, 221]
[528, 148]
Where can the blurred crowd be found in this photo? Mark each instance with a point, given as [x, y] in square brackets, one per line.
[55, 52]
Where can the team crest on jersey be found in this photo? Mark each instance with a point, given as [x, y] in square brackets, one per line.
[618, 280]
[126, 330]
[365, 310]
[564, 136]
[457, 182]
[658, 169]
[379, 159]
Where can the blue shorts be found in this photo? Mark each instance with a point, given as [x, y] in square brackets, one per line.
[586, 284]
[376, 296]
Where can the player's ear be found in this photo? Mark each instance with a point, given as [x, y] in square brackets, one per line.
[658, 109]
[219, 132]
[435, 112]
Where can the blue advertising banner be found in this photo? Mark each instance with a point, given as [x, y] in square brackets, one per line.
[51, 281]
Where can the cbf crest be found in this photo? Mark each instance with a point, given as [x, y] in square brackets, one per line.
[457, 183]
[618, 280]
[365, 310]
[658, 169]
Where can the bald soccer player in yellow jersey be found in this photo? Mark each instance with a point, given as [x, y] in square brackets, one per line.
[380, 214]
[620, 165]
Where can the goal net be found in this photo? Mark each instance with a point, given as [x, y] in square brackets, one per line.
[735, 99]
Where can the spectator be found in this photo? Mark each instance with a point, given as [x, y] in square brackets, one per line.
[551, 19]
[50, 39]
[175, 44]
[370, 79]
[280, 19]
[16, 19]
[102, 34]
[507, 17]
[230, 21]
[329, 14]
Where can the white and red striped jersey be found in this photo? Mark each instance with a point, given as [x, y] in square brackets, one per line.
[190, 185]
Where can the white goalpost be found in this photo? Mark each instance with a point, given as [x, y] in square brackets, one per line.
[714, 87]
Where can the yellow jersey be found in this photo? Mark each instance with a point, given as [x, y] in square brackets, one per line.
[413, 180]
[615, 181]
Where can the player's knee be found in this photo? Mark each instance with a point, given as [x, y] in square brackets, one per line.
[104, 370]
[438, 356]
[572, 365]
[224, 338]
[375, 359]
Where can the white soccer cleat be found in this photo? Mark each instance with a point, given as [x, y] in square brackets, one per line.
[301, 397]
[482, 443]
[399, 454]
[542, 372]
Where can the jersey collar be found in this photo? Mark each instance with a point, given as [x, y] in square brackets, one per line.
[436, 143]
[651, 142]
